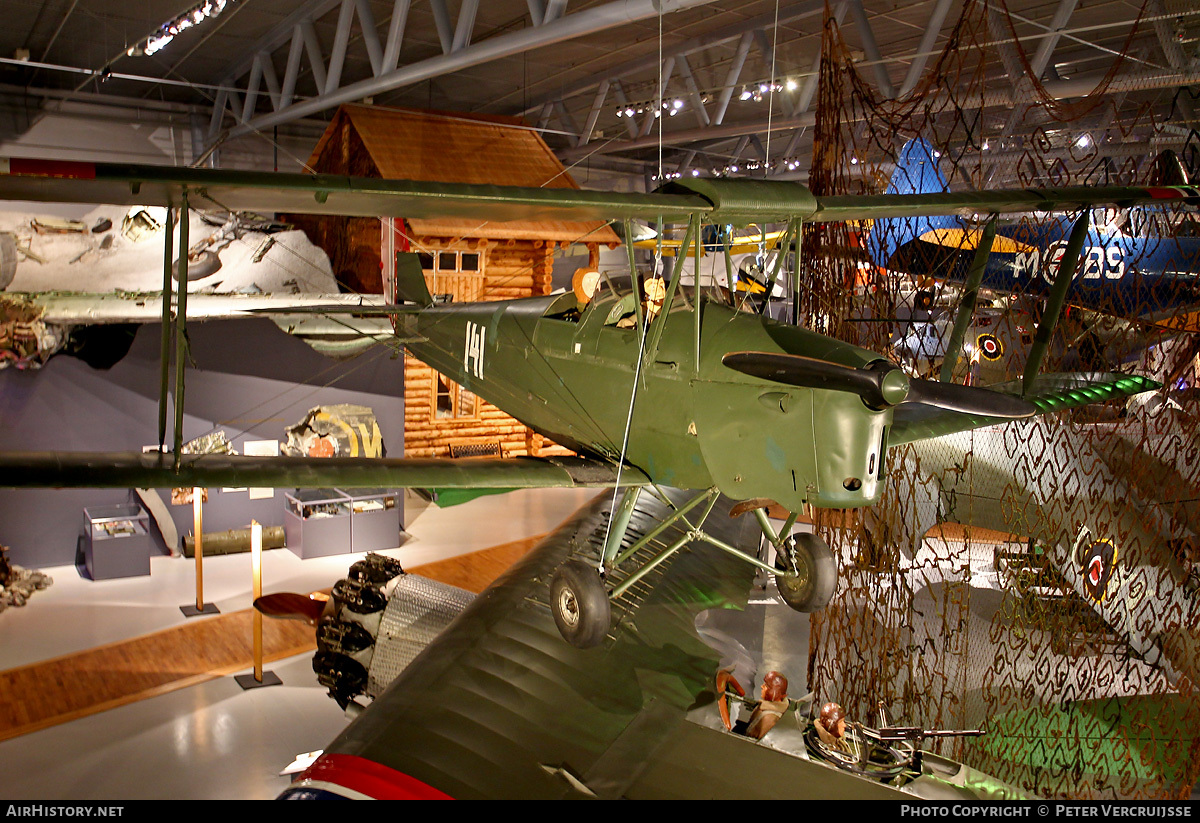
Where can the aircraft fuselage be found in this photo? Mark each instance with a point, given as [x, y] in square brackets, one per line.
[570, 375]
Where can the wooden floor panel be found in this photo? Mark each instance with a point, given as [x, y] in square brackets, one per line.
[56, 691]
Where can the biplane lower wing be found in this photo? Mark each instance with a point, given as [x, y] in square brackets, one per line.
[157, 471]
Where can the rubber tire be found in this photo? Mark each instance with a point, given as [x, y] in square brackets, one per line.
[8, 260]
[207, 263]
[580, 604]
[813, 591]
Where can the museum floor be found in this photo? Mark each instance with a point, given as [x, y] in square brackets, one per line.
[201, 736]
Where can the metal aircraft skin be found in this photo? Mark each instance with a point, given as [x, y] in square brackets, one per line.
[497, 706]
[688, 392]
[1136, 264]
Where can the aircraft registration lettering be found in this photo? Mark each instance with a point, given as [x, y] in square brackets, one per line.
[1098, 262]
[473, 349]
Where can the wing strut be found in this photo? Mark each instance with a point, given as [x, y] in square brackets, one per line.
[165, 350]
[1058, 295]
[181, 325]
[966, 309]
[781, 246]
[797, 234]
[696, 289]
[660, 319]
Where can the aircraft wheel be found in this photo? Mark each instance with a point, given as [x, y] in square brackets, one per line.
[205, 264]
[814, 586]
[580, 604]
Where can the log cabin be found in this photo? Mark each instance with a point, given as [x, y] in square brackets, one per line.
[467, 259]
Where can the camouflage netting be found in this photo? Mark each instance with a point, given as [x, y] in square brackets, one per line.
[1055, 607]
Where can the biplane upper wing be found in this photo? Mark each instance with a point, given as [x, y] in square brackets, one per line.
[718, 200]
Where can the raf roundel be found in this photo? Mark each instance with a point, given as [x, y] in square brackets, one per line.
[990, 347]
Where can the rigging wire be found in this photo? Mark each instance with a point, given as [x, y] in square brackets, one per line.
[645, 321]
[637, 373]
[771, 96]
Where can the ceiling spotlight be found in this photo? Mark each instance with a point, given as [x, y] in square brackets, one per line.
[1084, 141]
[194, 16]
[791, 85]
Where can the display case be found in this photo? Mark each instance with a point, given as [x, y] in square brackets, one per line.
[316, 522]
[116, 541]
[374, 518]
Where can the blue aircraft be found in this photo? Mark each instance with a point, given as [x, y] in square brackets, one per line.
[1141, 262]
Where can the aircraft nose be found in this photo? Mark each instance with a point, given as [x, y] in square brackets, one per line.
[894, 387]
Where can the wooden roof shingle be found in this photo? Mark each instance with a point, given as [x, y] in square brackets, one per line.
[409, 144]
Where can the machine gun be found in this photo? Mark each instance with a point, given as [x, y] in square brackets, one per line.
[915, 734]
[883, 753]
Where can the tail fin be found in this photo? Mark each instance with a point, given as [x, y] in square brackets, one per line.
[917, 170]
[891, 243]
[1169, 170]
[410, 280]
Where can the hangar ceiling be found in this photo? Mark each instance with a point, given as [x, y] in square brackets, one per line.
[732, 81]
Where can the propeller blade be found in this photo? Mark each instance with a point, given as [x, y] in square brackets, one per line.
[970, 400]
[291, 606]
[880, 385]
[879, 388]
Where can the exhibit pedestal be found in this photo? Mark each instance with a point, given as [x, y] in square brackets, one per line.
[248, 681]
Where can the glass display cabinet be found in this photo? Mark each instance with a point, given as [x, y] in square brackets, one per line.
[116, 541]
[316, 522]
[374, 518]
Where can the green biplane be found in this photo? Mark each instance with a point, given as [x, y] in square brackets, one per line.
[685, 389]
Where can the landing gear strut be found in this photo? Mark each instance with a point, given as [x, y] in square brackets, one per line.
[581, 592]
[806, 571]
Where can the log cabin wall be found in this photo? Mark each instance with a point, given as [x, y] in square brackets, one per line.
[510, 269]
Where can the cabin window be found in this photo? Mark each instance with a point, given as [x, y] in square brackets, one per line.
[457, 273]
[451, 401]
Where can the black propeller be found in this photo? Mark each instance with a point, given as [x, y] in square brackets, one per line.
[880, 384]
